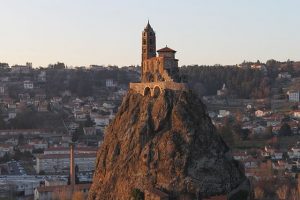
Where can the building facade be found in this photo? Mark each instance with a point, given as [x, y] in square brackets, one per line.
[60, 163]
[294, 96]
[159, 72]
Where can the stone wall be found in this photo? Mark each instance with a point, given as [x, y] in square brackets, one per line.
[155, 70]
[142, 87]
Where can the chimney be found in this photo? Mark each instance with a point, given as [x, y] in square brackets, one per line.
[72, 165]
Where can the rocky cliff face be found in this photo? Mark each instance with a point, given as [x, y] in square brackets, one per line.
[168, 143]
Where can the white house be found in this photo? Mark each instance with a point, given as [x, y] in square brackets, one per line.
[294, 96]
[250, 163]
[296, 114]
[259, 66]
[110, 83]
[223, 113]
[12, 113]
[284, 75]
[101, 120]
[80, 116]
[89, 131]
[6, 148]
[260, 113]
[294, 153]
[240, 155]
[28, 85]
[277, 155]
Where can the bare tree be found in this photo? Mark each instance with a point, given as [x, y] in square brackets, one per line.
[258, 193]
[294, 194]
[78, 196]
[282, 192]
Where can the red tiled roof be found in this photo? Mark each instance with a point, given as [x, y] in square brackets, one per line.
[166, 49]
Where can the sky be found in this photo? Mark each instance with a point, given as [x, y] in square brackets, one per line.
[208, 32]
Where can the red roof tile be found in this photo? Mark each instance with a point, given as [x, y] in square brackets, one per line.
[166, 49]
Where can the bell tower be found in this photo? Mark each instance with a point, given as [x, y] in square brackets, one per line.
[148, 43]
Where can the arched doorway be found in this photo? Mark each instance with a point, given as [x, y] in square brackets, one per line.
[147, 91]
[157, 91]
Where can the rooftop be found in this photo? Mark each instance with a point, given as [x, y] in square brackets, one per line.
[61, 156]
[166, 49]
[60, 187]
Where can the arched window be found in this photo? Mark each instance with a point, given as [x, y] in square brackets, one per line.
[157, 91]
[147, 91]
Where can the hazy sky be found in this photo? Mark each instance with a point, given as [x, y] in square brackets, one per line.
[84, 32]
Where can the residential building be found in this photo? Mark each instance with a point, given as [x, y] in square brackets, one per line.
[260, 113]
[2, 89]
[89, 131]
[296, 113]
[43, 107]
[66, 150]
[294, 96]
[28, 85]
[22, 69]
[42, 77]
[79, 116]
[110, 83]
[223, 113]
[59, 163]
[52, 192]
[284, 75]
[49, 192]
[6, 149]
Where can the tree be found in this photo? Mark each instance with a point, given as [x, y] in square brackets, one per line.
[78, 132]
[78, 196]
[21, 139]
[89, 122]
[5, 158]
[282, 192]
[285, 130]
[137, 194]
[245, 133]
[268, 133]
[2, 122]
[58, 65]
[294, 194]
[42, 172]
[258, 193]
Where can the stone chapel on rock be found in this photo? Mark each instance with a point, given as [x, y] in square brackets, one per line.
[159, 72]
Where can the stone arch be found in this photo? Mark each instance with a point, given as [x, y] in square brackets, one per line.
[147, 91]
[156, 91]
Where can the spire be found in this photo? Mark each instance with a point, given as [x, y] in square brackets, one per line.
[148, 26]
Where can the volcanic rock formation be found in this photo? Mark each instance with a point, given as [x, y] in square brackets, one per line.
[166, 143]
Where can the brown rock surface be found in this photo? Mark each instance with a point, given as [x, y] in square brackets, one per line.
[168, 143]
